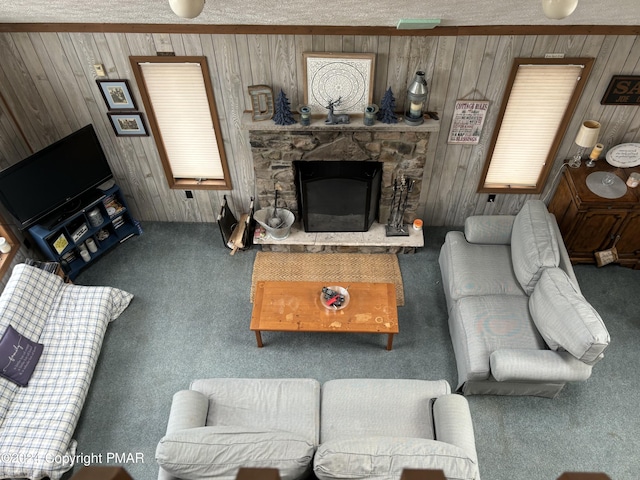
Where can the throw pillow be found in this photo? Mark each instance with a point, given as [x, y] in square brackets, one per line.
[565, 319]
[18, 356]
[534, 245]
[219, 451]
[386, 457]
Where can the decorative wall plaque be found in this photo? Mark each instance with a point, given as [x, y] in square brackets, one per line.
[624, 155]
[330, 76]
[622, 90]
[261, 102]
[467, 121]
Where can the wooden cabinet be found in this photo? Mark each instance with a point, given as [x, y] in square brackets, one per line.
[590, 223]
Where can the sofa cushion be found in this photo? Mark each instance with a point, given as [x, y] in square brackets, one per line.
[565, 319]
[206, 452]
[481, 325]
[18, 356]
[472, 269]
[285, 404]
[386, 457]
[534, 245]
[349, 404]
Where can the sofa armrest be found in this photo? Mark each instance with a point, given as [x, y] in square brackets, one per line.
[565, 260]
[537, 366]
[188, 410]
[453, 424]
[489, 229]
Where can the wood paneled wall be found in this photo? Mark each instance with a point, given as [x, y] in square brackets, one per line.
[48, 82]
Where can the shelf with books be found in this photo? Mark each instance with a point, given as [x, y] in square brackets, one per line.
[88, 233]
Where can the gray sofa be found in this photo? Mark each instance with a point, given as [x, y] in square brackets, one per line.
[349, 428]
[517, 319]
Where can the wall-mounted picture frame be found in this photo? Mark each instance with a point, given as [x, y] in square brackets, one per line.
[128, 124]
[329, 76]
[117, 94]
[622, 90]
[468, 119]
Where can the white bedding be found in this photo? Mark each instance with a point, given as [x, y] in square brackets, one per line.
[37, 422]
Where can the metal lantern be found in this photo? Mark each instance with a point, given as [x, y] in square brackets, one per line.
[416, 98]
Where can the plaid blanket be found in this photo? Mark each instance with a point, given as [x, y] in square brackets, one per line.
[38, 421]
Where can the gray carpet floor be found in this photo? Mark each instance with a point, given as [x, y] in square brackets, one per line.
[190, 319]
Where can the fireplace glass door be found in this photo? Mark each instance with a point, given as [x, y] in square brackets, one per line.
[338, 196]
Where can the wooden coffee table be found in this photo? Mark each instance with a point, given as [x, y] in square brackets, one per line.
[296, 307]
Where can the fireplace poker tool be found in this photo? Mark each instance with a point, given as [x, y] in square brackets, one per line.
[395, 226]
[275, 221]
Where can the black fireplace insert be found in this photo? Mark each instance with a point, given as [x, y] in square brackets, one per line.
[338, 196]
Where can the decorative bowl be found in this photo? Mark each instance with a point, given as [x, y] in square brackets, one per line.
[334, 297]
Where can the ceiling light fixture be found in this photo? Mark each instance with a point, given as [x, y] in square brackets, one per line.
[558, 9]
[187, 8]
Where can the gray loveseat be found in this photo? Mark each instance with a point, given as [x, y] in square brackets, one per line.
[517, 319]
[348, 428]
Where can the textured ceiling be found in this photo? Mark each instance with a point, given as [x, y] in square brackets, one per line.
[323, 12]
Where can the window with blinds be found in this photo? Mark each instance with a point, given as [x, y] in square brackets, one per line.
[178, 97]
[538, 104]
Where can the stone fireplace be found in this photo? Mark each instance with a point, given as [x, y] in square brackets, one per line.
[401, 153]
[401, 150]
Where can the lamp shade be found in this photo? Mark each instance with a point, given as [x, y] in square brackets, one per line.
[558, 9]
[588, 134]
[187, 8]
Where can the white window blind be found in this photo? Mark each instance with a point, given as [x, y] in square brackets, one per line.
[181, 107]
[537, 103]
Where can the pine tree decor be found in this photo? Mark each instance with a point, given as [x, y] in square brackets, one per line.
[387, 114]
[283, 115]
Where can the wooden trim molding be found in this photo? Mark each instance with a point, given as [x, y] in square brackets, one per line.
[185, 183]
[587, 64]
[441, 31]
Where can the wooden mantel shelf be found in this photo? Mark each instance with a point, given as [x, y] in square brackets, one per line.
[356, 124]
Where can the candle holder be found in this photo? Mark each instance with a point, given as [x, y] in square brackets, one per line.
[370, 112]
[305, 115]
[594, 155]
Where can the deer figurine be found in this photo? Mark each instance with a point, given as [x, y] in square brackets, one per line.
[335, 119]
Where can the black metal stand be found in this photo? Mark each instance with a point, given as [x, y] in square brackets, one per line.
[401, 189]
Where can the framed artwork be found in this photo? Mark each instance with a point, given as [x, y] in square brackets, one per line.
[128, 124]
[467, 121]
[333, 76]
[116, 94]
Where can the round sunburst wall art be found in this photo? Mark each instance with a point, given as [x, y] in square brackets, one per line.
[330, 76]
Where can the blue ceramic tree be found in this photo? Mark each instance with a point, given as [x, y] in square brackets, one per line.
[387, 112]
[283, 115]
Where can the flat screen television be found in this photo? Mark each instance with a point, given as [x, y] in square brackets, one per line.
[56, 176]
